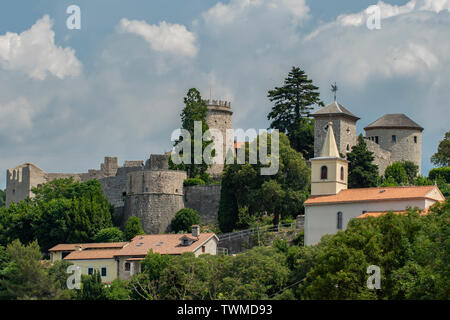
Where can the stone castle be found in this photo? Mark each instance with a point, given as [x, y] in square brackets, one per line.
[154, 193]
[393, 137]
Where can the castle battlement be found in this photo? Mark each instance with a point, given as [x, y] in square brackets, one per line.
[218, 103]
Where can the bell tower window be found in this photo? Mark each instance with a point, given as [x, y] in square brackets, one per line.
[324, 173]
[342, 173]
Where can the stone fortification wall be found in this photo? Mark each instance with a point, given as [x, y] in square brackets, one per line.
[205, 200]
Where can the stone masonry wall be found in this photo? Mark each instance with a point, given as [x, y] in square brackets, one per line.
[204, 199]
[344, 130]
[382, 158]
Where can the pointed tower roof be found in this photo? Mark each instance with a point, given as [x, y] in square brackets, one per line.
[329, 148]
[335, 108]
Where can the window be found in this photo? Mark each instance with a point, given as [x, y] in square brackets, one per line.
[90, 270]
[203, 249]
[394, 138]
[324, 173]
[348, 147]
[339, 220]
[342, 173]
[127, 266]
[415, 139]
[376, 139]
[185, 242]
[103, 270]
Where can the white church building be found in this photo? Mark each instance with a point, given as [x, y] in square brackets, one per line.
[331, 204]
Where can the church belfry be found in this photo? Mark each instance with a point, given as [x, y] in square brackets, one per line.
[329, 172]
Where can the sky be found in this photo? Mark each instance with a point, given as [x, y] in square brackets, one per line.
[115, 87]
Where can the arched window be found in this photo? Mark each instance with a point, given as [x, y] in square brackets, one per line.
[342, 173]
[324, 173]
[339, 220]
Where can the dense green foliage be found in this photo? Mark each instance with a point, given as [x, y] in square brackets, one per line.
[442, 157]
[92, 287]
[62, 211]
[2, 198]
[133, 228]
[246, 195]
[24, 276]
[292, 110]
[362, 172]
[111, 234]
[444, 172]
[412, 252]
[195, 110]
[397, 172]
[184, 219]
[258, 274]
[194, 182]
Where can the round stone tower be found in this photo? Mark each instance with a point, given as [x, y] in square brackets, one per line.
[398, 134]
[219, 117]
[154, 195]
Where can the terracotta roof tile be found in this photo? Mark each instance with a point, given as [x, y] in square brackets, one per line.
[163, 244]
[376, 194]
[92, 254]
[72, 246]
[381, 213]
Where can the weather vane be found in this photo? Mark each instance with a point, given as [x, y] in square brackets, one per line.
[334, 89]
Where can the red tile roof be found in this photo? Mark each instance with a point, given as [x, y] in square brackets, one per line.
[72, 246]
[163, 244]
[92, 254]
[376, 194]
[381, 213]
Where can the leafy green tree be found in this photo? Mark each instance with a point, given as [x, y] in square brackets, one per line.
[397, 172]
[2, 198]
[442, 157]
[23, 276]
[246, 195]
[362, 172]
[184, 220]
[444, 172]
[411, 169]
[195, 110]
[133, 228]
[154, 264]
[118, 290]
[292, 110]
[92, 287]
[423, 181]
[111, 234]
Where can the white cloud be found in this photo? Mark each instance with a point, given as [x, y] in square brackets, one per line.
[165, 37]
[34, 53]
[239, 9]
[16, 117]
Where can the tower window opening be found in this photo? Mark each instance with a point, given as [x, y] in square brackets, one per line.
[376, 139]
[415, 139]
[348, 147]
[339, 220]
[394, 138]
[342, 173]
[324, 173]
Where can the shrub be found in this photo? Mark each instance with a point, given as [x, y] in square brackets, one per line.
[133, 228]
[184, 219]
[194, 182]
[443, 172]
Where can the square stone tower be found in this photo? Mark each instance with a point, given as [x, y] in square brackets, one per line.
[344, 127]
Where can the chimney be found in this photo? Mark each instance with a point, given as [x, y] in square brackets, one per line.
[196, 231]
[78, 248]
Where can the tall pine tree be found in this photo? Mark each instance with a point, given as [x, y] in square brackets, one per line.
[291, 113]
[363, 173]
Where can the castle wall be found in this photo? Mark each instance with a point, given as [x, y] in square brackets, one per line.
[20, 180]
[344, 131]
[205, 200]
[382, 158]
[405, 147]
[156, 211]
[154, 197]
